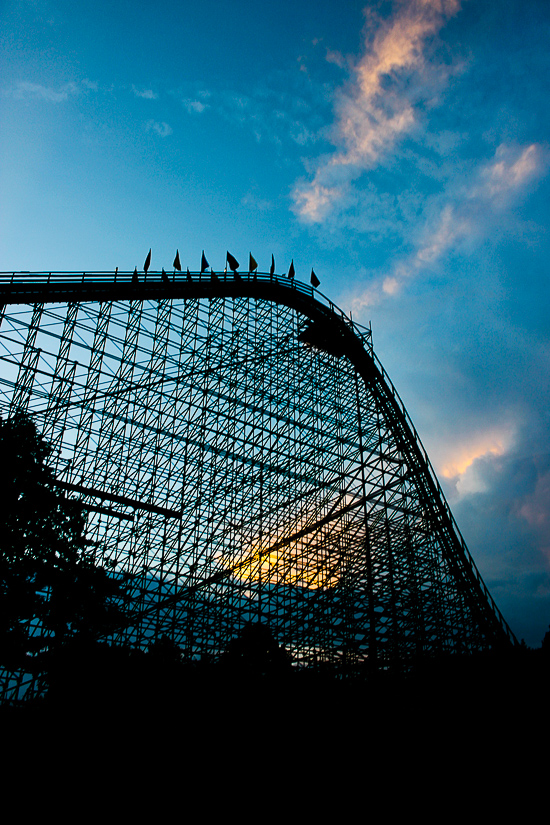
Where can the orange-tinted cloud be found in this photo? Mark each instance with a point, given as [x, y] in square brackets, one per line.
[374, 112]
[465, 456]
[457, 462]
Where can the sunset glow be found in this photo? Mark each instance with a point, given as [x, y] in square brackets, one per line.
[299, 564]
[461, 459]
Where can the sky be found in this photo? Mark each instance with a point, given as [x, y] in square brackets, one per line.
[401, 149]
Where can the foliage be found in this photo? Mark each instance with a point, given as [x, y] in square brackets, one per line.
[255, 652]
[50, 593]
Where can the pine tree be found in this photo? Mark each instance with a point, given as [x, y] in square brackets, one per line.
[50, 593]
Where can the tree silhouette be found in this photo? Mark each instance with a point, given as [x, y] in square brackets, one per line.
[50, 592]
[255, 652]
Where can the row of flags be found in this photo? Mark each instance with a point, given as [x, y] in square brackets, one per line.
[230, 261]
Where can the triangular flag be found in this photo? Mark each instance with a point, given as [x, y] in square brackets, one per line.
[165, 276]
[135, 279]
[291, 272]
[204, 262]
[272, 267]
[177, 264]
[189, 278]
[233, 262]
[147, 263]
[252, 264]
[314, 279]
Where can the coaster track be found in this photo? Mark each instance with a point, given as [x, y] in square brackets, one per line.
[243, 456]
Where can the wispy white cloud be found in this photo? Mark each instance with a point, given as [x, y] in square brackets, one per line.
[252, 200]
[469, 213]
[511, 170]
[161, 129]
[378, 108]
[270, 113]
[336, 58]
[195, 106]
[24, 90]
[146, 94]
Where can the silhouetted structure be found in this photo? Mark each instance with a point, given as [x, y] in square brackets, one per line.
[243, 457]
[52, 596]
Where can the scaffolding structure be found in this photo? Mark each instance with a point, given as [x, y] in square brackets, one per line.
[242, 456]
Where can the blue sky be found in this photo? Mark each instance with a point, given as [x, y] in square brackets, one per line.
[399, 148]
